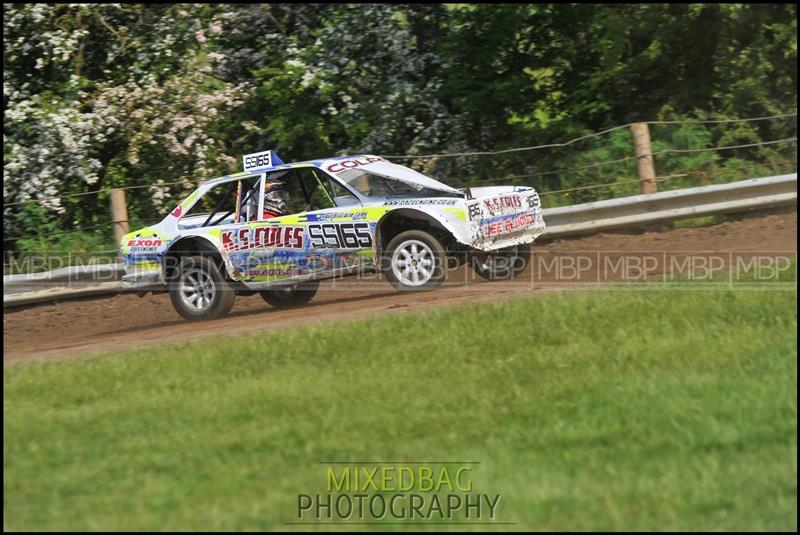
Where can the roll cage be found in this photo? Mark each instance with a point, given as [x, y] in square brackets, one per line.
[312, 184]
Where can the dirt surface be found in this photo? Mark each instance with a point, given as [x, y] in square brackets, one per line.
[127, 321]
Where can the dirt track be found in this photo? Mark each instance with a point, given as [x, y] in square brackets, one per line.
[127, 321]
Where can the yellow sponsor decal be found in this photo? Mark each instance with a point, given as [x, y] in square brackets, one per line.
[458, 212]
[145, 266]
[213, 233]
[139, 238]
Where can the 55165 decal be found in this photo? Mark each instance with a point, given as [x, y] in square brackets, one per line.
[340, 235]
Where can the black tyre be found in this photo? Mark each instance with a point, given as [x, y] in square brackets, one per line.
[503, 264]
[414, 261]
[291, 296]
[199, 291]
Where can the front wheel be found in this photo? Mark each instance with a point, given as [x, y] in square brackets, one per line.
[199, 291]
[502, 264]
[416, 261]
[291, 296]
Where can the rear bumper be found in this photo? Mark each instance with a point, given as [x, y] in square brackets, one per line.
[504, 216]
[508, 230]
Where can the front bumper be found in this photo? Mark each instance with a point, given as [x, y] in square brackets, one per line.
[144, 280]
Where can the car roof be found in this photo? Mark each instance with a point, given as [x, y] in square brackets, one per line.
[259, 170]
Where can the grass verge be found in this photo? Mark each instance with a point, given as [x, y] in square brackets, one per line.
[656, 410]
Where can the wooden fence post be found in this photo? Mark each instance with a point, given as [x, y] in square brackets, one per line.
[644, 157]
[119, 214]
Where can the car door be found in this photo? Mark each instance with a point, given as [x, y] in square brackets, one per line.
[325, 233]
[235, 232]
[220, 215]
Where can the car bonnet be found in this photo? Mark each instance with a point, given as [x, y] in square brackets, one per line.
[378, 165]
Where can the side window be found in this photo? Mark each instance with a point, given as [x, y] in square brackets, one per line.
[324, 191]
[310, 189]
[290, 183]
[319, 188]
[219, 204]
[341, 195]
[374, 185]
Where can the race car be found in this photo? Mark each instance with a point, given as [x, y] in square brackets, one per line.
[278, 229]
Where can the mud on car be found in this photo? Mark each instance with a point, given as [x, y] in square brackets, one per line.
[278, 229]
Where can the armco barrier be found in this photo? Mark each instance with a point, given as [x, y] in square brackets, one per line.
[759, 193]
[62, 277]
[756, 193]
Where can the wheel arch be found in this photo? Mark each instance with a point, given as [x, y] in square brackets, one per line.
[401, 219]
[188, 246]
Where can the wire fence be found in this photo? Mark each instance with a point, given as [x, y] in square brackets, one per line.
[505, 151]
[588, 136]
[106, 190]
[487, 181]
[701, 175]
[628, 159]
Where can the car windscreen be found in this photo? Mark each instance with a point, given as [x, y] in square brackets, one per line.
[376, 185]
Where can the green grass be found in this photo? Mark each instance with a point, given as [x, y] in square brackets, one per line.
[667, 410]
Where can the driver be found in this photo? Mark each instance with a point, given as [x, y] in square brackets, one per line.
[275, 200]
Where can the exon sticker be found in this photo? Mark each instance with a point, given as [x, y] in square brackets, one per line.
[144, 242]
[340, 235]
[144, 245]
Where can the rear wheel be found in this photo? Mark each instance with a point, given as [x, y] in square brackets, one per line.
[416, 261]
[291, 296]
[199, 291]
[502, 264]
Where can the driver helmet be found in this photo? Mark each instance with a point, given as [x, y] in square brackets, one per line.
[275, 199]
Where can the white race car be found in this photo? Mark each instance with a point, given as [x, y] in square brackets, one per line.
[278, 229]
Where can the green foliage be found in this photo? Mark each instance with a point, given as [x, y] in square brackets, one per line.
[587, 411]
[160, 96]
[49, 247]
